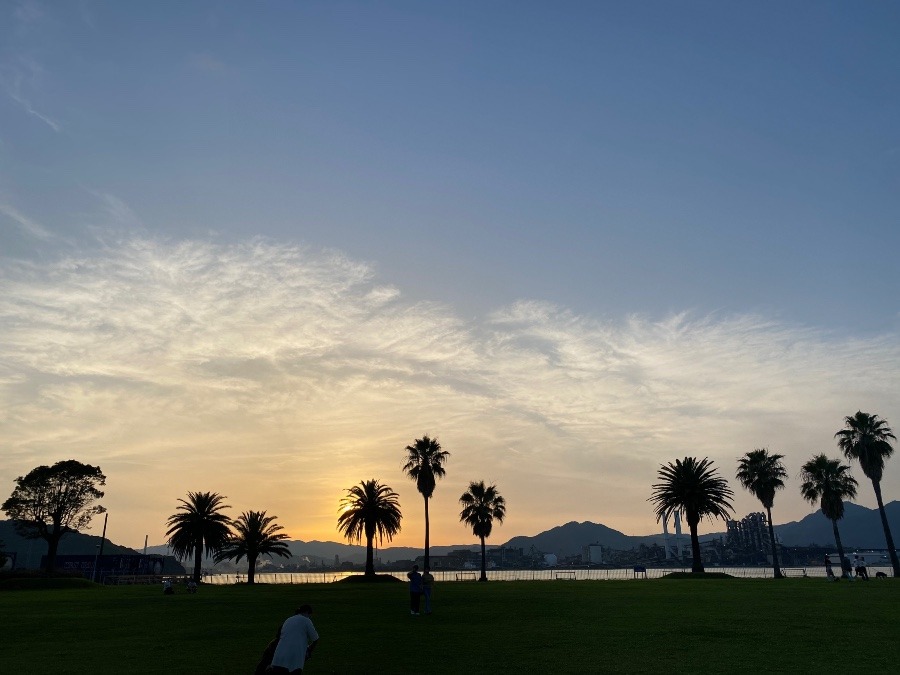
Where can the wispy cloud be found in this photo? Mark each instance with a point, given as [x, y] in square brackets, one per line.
[26, 224]
[20, 78]
[281, 375]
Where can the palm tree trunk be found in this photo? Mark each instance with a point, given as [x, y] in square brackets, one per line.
[370, 557]
[198, 561]
[483, 561]
[427, 565]
[840, 547]
[251, 569]
[889, 540]
[697, 565]
[775, 566]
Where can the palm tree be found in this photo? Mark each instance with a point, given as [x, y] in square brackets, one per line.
[200, 524]
[763, 475]
[867, 439]
[482, 505]
[828, 482]
[425, 464]
[370, 508]
[693, 487]
[254, 534]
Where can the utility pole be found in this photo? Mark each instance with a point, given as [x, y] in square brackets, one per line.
[100, 548]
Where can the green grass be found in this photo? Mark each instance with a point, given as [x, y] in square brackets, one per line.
[662, 626]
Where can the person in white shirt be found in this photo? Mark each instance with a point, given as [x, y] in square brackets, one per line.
[297, 639]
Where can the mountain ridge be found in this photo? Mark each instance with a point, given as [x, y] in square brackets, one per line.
[860, 528]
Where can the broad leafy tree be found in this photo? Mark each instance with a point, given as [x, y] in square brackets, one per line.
[199, 526]
[693, 487]
[425, 464]
[866, 439]
[370, 509]
[254, 534]
[763, 474]
[50, 501]
[829, 483]
[482, 505]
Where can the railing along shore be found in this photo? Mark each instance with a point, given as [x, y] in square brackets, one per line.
[549, 574]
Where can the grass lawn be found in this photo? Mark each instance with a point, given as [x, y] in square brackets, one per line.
[658, 626]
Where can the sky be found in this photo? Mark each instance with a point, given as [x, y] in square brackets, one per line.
[259, 248]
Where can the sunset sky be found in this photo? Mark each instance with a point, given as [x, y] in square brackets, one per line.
[258, 248]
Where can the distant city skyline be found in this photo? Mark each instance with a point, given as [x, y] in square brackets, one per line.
[259, 250]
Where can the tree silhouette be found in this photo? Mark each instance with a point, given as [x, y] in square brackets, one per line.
[254, 534]
[866, 439]
[199, 525]
[50, 501]
[763, 475]
[425, 464]
[828, 482]
[370, 508]
[482, 505]
[693, 487]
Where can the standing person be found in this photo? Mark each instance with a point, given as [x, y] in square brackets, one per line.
[415, 590]
[829, 572]
[427, 586]
[297, 639]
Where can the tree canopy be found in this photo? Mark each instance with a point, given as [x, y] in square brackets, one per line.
[763, 475]
[481, 506]
[50, 501]
[694, 487]
[370, 509]
[254, 534]
[425, 461]
[199, 525]
[867, 439]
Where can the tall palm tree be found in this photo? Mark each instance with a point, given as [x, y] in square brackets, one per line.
[482, 505]
[763, 475]
[866, 439]
[693, 487]
[199, 524]
[425, 464]
[254, 534]
[370, 508]
[828, 482]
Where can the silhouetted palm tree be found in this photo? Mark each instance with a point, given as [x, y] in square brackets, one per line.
[828, 482]
[200, 524]
[425, 464]
[763, 475]
[693, 487]
[254, 534]
[866, 439]
[482, 505]
[369, 509]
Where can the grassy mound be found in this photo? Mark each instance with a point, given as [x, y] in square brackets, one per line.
[696, 575]
[363, 579]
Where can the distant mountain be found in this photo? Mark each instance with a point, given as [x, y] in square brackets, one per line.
[571, 538]
[860, 528]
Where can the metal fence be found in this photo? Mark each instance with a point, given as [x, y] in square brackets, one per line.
[549, 574]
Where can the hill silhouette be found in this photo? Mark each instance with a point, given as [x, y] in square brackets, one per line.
[860, 529]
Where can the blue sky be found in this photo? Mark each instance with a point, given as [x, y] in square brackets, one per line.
[572, 240]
